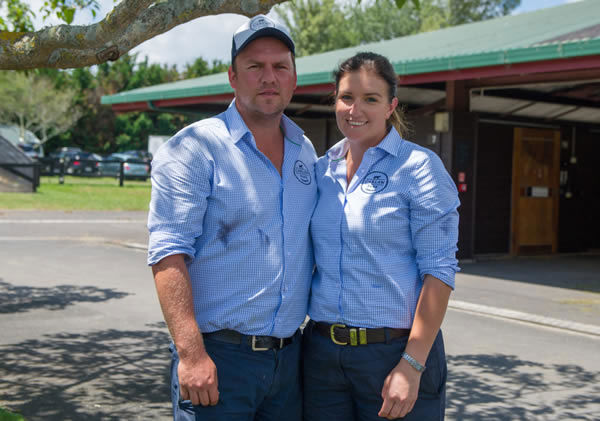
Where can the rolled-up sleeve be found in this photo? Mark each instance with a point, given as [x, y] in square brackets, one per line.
[181, 183]
[434, 220]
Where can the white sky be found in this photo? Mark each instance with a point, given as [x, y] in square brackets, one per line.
[207, 37]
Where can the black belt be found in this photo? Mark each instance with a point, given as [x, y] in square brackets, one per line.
[256, 342]
[346, 335]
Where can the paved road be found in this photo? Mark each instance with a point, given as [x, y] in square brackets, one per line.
[83, 336]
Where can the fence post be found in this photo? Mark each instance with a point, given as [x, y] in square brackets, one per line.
[36, 176]
[121, 173]
[61, 174]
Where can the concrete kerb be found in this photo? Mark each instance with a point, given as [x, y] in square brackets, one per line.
[525, 317]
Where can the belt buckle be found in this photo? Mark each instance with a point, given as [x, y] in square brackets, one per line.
[254, 347]
[362, 336]
[332, 333]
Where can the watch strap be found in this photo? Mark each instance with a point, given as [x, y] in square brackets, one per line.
[414, 363]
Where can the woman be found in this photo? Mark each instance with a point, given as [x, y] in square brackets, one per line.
[385, 231]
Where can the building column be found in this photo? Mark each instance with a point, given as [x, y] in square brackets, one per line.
[459, 153]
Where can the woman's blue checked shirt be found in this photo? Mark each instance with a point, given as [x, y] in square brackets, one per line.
[244, 229]
[376, 239]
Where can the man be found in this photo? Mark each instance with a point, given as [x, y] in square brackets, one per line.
[232, 198]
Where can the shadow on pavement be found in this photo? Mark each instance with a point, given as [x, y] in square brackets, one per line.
[17, 299]
[578, 272]
[103, 375]
[504, 387]
[123, 375]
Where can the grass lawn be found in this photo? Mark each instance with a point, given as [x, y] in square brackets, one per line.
[80, 193]
[9, 416]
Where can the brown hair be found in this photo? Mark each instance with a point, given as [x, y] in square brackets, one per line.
[382, 67]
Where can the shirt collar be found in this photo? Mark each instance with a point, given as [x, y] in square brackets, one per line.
[338, 151]
[391, 144]
[238, 129]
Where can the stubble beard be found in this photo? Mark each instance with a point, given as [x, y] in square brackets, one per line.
[267, 108]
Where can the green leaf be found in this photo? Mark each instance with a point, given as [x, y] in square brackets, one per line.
[68, 13]
[417, 4]
[400, 3]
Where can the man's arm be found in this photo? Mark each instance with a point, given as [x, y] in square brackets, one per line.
[401, 386]
[197, 372]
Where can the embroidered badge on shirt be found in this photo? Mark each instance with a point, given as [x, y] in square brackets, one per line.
[374, 182]
[302, 173]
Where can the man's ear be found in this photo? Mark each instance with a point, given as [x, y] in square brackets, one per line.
[232, 78]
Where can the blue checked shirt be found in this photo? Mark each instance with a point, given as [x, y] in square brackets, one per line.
[243, 228]
[376, 239]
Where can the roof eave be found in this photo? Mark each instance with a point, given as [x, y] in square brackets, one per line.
[555, 57]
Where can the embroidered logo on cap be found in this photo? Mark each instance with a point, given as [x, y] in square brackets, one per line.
[374, 182]
[302, 173]
[260, 23]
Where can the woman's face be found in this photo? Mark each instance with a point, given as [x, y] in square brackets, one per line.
[362, 107]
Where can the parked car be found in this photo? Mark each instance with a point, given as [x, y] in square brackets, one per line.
[139, 155]
[26, 140]
[110, 166]
[77, 162]
[31, 150]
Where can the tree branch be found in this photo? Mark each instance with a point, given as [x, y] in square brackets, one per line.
[129, 24]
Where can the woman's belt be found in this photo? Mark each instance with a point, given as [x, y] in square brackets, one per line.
[341, 334]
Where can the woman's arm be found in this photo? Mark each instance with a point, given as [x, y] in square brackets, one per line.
[401, 387]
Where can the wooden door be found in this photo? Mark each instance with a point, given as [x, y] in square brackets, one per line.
[535, 184]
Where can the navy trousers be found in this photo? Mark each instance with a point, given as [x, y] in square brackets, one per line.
[253, 385]
[343, 383]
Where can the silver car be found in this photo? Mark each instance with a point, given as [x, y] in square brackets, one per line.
[110, 166]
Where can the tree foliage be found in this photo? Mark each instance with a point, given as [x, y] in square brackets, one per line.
[19, 17]
[323, 25]
[37, 100]
[34, 103]
[465, 11]
[99, 129]
[201, 67]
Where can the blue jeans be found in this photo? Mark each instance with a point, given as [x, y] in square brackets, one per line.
[344, 382]
[253, 385]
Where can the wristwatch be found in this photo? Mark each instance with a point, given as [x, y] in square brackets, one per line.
[414, 363]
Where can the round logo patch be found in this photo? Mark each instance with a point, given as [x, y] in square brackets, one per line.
[374, 182]
[302, 173]
[260, 23]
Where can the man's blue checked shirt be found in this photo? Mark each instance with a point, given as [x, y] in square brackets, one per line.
[243, 228]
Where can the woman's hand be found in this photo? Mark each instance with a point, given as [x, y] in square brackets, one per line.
[400, 391]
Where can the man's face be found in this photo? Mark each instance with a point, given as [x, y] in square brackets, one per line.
[264, 79]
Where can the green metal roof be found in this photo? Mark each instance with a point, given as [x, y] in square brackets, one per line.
[509, 39]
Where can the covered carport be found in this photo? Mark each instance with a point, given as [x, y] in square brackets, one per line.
[512, 106]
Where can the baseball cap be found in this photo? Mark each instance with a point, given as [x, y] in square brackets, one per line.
[257, 27]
